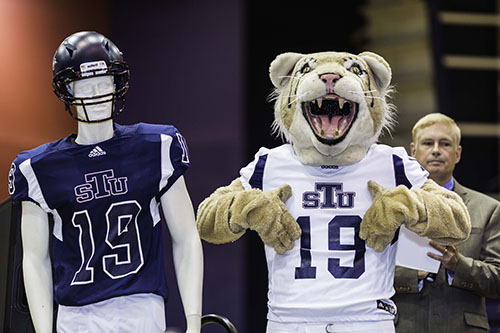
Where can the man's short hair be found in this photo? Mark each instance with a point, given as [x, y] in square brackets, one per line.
[436, 118]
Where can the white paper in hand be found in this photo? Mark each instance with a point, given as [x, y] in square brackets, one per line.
[412, 252]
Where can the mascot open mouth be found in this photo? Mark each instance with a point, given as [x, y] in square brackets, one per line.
[330, 117]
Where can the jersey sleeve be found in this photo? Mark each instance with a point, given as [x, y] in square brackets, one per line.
[19, 187]
[174, 158]
[249, 173]
[24, 182]
[414, 172]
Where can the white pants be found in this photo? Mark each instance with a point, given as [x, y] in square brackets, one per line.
[139, 313]
[384, 326]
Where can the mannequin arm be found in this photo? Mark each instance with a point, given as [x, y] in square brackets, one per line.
[187, 251]
[37, 267]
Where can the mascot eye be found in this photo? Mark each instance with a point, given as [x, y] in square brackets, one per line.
[305, 69]
[356, 69]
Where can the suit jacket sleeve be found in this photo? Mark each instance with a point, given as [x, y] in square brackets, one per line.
[478, 269]
[405, 280]
[481, 273]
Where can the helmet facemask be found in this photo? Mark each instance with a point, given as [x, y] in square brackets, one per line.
[64, 81]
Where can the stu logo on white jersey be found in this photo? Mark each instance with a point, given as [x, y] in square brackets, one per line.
[100, 184]
[328, 195]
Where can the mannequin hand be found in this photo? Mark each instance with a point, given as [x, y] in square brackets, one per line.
[193, 323]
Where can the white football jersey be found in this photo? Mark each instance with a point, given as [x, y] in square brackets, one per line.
[331, 275]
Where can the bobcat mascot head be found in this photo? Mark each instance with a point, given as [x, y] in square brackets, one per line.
[331, 106]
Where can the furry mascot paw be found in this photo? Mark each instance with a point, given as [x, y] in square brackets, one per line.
[389, 210]
[417, 209]
[263, 212]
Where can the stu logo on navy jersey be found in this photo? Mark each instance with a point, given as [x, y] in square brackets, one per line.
[328, 195]
[100, 184]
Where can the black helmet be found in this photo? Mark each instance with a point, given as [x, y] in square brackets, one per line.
[88, 54]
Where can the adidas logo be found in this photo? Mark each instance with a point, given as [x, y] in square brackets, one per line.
[97, 151]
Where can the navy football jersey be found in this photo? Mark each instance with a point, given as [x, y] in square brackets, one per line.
[104, 198]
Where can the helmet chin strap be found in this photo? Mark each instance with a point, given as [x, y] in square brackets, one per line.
[85, 111]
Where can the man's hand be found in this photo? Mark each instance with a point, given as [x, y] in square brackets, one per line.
[422, 274]
[449, 259]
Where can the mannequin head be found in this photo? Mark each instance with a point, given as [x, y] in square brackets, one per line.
[98, 91]
[81, 57]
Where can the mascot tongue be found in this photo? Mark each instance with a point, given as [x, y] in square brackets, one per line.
[331, 127]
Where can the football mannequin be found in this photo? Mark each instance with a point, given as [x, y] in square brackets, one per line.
[95, 86]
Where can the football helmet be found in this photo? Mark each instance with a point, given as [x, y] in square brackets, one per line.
[84, 55]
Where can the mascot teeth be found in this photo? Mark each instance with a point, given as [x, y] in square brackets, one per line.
[330, 117]
[341, 102]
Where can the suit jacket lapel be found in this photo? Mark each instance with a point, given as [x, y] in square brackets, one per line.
[461, 191]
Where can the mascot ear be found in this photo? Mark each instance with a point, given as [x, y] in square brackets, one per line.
[282, 67]
[380, 69]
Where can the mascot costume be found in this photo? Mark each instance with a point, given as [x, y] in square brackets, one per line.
[329, 202]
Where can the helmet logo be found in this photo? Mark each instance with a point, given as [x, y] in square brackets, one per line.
[93, 68]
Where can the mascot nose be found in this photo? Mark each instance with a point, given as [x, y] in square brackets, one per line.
[329, 79]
